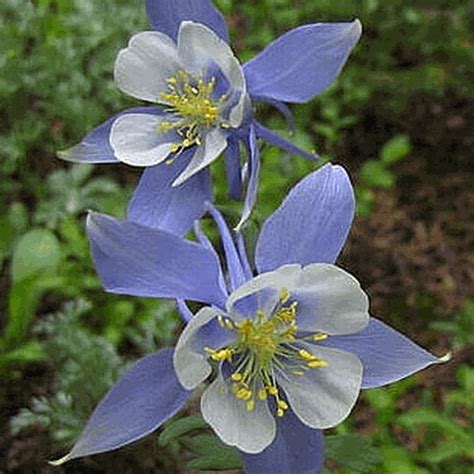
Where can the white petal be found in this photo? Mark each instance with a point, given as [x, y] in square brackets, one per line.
[189, 359]
[141, 69]
[324, 397]
[249, 431]
[330, 300]
[266, 288]
[213, 145]
[198, 45]
[135, 139]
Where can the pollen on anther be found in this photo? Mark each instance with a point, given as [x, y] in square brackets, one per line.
[262, 394]
[317, 363]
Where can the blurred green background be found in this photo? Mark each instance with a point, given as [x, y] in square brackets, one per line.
[397, 118]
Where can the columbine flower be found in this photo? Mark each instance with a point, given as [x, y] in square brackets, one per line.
[292, 345]
[187, 68]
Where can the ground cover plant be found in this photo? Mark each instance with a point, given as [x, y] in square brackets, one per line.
[397, 119]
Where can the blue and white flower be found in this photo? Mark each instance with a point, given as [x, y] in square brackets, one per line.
[203, 97]
[291, 341]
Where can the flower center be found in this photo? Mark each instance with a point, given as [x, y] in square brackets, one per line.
[263, 345]
[191, 103]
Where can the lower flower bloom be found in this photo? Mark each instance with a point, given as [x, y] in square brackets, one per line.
[269, 347]
[286, 347]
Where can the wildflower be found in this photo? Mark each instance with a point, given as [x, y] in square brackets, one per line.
[203, 96]
[292, 345]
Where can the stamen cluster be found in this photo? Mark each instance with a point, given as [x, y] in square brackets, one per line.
[263, 346]
[190, 101]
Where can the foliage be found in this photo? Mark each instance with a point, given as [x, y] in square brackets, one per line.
[80, 357]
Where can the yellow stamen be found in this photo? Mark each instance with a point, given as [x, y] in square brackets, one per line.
[282, 404]
[284, 295]
[262, 394]
[317, 363]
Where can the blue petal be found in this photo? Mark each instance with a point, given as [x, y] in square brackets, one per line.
[301, 63]
[312, 223]
[233, 169]
[244, 256]
[166, 16]
[135, 260]
[254, 173]
[155, 203]
[95, 147]
[275, 139]
[296, 449]
[282, 108]
[207, 244]
[184, 310]
[145, 397]
[234, 265]
[386, 354]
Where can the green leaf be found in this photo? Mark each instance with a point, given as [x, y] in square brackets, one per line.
[180, 427]
[6, 236]
[353, 452]
[32, 351]
[23, 300]
[364, 200]
[448, 449]
[212, 453]
[374, 174]
[395, 149]
[38, 251]
[443, 423]
[397, 460]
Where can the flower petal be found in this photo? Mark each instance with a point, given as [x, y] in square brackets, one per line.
[312, 223]
[249, 431]
[145, 396]
[274, 139]
[214, 144]
[233, 169]
[254, 173]
[142, 69]
[244, 259]
[283, 109]
[303, 62]
[137, 141]
[207, 244]
[155, 203]
[183, 309]
[329, 299]
[95, 147]
[135, 260]
[386, 354]
[198, 46]
[297, 448]
[235, 269]
[166, 16]
[324, 397]
[190, 360]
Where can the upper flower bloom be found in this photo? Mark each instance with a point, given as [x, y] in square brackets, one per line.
[201, 86]
[204, 97]
[292, 340]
